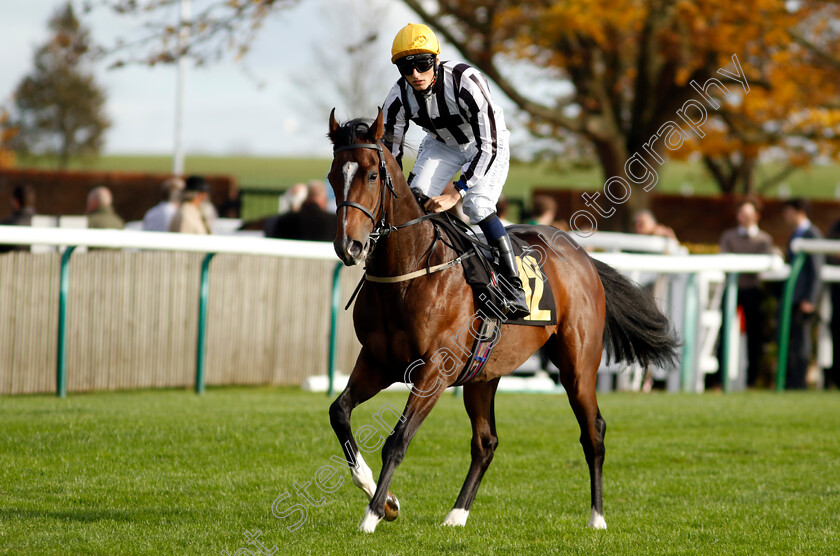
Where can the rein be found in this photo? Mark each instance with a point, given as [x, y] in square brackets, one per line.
[383, 229]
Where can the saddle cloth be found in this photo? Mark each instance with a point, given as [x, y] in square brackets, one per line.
[489, 287]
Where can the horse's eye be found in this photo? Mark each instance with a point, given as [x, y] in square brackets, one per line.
[372, 177]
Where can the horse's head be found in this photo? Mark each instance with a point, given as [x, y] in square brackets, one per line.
[360, 180]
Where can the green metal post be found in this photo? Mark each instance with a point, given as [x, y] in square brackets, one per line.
[729, 317]
[336, 302]
[202, 323]
[689, 332]
[61, 356]
[784, 326]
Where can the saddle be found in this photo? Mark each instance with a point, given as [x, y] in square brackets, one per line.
[480, 260]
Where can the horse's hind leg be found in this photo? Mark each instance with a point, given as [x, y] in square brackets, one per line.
[479, 402]
[578, 371]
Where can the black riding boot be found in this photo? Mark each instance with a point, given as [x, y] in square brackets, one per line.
[517, 305]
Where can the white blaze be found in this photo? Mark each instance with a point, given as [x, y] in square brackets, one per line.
[349, 170]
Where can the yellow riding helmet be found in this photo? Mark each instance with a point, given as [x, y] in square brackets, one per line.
[414, 38]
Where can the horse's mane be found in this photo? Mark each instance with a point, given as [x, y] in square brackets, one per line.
[349, 131]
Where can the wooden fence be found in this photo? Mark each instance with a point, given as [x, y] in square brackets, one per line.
[132, 320]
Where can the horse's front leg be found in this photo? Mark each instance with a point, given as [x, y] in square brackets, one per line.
[364, 383]
[420, 402]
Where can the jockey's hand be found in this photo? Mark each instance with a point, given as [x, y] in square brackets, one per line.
[445, 201]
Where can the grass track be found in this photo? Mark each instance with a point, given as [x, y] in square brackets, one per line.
[167, 472]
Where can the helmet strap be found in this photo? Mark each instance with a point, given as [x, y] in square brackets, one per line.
[428, 90]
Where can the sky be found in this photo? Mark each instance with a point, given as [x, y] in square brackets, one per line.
[226, 109]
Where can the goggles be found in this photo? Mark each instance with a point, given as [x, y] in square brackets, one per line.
[421, 62]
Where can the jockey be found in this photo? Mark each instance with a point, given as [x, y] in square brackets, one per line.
[465, 131]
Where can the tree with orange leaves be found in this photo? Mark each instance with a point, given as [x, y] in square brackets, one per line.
[633, 65]
[630, 66]
[793, 120]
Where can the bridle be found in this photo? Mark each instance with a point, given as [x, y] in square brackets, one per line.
[382, 228]
[384, 182]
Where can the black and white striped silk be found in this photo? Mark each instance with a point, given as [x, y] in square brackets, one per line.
[459, 112]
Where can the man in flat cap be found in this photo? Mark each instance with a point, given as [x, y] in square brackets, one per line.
[188, 219]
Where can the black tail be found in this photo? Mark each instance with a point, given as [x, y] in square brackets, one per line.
[635, 328]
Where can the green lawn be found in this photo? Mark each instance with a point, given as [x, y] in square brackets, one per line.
[675, 177]
[168, 472]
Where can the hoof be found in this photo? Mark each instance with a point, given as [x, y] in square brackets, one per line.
[392, 507]
[370, 521]
[457, 518]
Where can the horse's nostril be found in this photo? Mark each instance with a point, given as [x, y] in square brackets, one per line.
[355, 248]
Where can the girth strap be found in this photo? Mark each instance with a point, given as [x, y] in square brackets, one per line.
[417, 273]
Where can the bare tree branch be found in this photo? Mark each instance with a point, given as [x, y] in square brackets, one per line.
[767, 184]
[214, 32]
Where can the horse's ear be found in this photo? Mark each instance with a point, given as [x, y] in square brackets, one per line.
[379, 126]
[333, 123]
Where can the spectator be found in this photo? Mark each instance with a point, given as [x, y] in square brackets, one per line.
[747, 238]
[645, 223]
[189, 219]
[502, 209]
[331, 203]
[158, 218]
[208, 212]
[100, 210]
[312, 222]
[23, 209]
[544, 210]
[805, 294]
[291, 201]
[293, 198]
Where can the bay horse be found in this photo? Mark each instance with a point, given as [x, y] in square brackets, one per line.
[405, 324]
